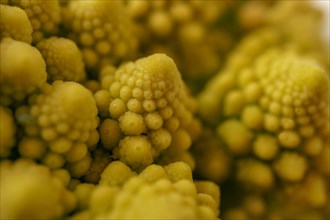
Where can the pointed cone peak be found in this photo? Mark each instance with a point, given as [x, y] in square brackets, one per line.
[159, 66]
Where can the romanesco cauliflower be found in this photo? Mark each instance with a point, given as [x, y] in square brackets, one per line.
[102, 30]
[165, 192]
[150, 111]
[116, 134]
[63, 59]
[31, 191]
[272, 118]
[62, 119]
[45, 16]
[23, 75]
[15, 23]
[183, 30]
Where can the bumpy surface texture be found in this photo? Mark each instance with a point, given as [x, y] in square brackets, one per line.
[63, 59]
[15, 23]
[164, 191]
[150, 110]
[273, 117]
[126, 109]
[31, 191]
[102, 31]
[60, 125]
[25, 72]
[45, 16]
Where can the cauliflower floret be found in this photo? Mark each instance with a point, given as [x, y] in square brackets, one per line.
[22, 70]
[255, 174]
[125, 138]
[287, 17]
[165, 192]
[183, 30]
[291, 166]
[63, 59]
[272, 118]
[102, 30]
[7, 131]
[153, 173]
[135, 151]
[150, 111]
[116, 173]
[177, 171]
[284, 95]
[31, 191]
[159, 199]
[15, 23]
[45, 16]
[63, 116]
[222, 83]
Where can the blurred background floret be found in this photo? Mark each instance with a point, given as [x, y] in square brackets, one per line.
[102, 30]
[196, 34]
[272, 116]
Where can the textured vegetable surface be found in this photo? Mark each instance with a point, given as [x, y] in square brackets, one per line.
[151, 111]
[63, 59]
[102, 30]
[139, 109]
[166, 191]
[45, 17]
[25, 72]
[15, 24]
[278, 107]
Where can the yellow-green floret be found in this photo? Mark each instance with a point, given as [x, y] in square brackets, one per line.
[150, 112]
[7, 131]
[287, 16]
[102, 30]
[60, 125]
[273, 118]
[63, 59]
[127, 109]
[31, 191]
[197, 34]
[22, 70]
[279, 102]
[166, 192]
[45, 16]
[15, 23]
[183, 30]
